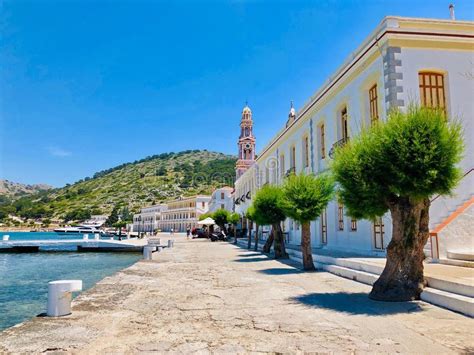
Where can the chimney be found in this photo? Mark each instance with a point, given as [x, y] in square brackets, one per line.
[451, 12]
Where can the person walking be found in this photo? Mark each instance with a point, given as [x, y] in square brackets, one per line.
[188, 232]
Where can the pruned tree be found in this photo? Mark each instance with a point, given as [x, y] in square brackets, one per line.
[269, 210]
[306, 196]
[234, 218]
[221, 217]
[249, 214]
[398, 166]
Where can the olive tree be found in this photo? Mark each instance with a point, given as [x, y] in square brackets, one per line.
[306, 196]
[398, 166]
[269, 210]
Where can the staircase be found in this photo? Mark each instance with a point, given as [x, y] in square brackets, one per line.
[444, 212]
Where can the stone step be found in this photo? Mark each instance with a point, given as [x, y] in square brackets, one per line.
[450, 286]
[451, 301]
[466, 255]
[355, 275]
[455, 262]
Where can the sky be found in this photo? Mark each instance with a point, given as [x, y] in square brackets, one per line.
[88, 85]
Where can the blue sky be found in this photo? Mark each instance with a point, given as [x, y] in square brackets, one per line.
[87, 85]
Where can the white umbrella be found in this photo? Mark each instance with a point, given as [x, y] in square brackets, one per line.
[207, 222]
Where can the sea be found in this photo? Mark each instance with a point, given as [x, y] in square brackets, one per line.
[24, 277]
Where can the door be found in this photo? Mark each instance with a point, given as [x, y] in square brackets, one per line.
[379, 231]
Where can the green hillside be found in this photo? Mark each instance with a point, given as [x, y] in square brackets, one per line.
[151, 180]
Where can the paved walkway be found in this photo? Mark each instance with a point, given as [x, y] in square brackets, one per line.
[202, 296]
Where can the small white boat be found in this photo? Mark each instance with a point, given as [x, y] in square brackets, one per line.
[83, 229]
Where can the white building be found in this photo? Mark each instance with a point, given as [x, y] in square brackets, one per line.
[183, 213]
[221, 198]
[148, 218]
[404, 60]
[97, 220]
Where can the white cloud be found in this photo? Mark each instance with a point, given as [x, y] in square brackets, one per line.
[59, 152]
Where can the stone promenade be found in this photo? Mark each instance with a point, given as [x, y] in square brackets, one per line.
[214, 297]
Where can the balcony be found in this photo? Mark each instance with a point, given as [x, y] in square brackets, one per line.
[340, 143]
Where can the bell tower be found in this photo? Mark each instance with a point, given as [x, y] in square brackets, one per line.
[246, 143]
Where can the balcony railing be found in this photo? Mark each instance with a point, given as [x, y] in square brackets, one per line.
[338, 144]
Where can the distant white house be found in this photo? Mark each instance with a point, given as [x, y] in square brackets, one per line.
[183, 213]
[148, 218]
[221, 198]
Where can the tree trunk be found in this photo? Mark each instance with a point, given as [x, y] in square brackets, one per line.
[402, 278]
[256, 237]
[306, 246]
[268, 244]
[279, 247]
[249, 238]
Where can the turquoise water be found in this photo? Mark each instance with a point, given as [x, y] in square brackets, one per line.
[24, 277]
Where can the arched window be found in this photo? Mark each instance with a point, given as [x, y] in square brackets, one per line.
[432, 92]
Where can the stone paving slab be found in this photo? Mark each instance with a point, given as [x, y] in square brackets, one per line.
[208, 297]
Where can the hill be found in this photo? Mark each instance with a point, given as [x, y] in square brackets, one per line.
[15, 190]
[155, 179]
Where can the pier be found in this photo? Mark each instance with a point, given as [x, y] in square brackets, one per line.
[81, 245]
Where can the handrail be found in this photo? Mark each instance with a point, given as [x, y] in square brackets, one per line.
[465, 174]
[339, 143]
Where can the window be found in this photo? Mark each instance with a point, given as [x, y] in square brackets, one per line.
[293, 158]
[432, 90]
[322, 142]
[222, 206]
[374, 109]
[344, 128]
[222, 195]
[340, 216]
[324, 228]
[353, 224]
[282, 165]
[203, 204]
[306, 151]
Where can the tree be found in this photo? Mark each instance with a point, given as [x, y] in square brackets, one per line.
[126, 215]
[234, 218]
[397, 166]
[113, 217]
[221, 217]
[249, 214]
[120, 225]
[306, 196]
[269, 210]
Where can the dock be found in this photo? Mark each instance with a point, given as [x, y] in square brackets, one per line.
[80, 245]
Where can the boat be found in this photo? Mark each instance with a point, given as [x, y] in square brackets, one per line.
[81, 229]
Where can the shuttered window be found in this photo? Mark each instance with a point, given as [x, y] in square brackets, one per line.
[432, 90]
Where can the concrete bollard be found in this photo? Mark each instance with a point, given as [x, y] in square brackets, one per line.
[170, 243]
[148, 252]
[96, 236]
[60, 296]
[85, 236]
[111, 238]
[6, 237]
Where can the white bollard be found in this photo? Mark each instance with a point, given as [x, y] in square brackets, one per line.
[6, 237]
[60, 296]
[85, 237]
[96, 236]
[170, 243]
[148, 252]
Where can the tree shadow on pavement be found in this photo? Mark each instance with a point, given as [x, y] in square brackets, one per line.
[249, 255]
[280, 271]
[251, 260]
[355, 303]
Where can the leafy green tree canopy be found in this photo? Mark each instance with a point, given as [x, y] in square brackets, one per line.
[233, 218]
[269, 205]
[413, 154]
[306, 196]
[221, 217]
